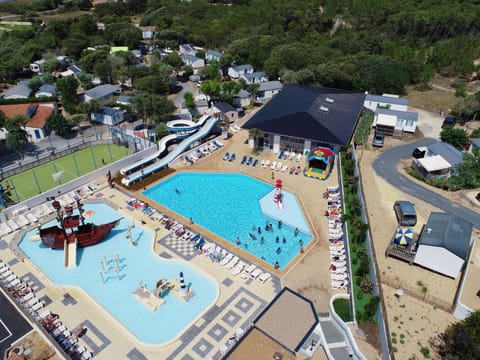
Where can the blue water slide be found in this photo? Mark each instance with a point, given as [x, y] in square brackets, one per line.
[159, 164]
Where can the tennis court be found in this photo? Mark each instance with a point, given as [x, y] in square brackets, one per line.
[32, 182]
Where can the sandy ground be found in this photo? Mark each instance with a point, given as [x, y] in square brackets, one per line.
[411, 320]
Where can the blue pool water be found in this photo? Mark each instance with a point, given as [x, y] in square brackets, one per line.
[228, 205]
[137, 264]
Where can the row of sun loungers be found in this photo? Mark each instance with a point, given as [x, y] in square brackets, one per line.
[27, 299]
[285, 155]
[228, 157]
[25, 216]
[233, 263]
[338, 259]
[249, 161]
[235, 128]
[279, 166]
[201, 152]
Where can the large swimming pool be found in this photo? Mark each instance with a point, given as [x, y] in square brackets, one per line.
[228, 205]
[138, 264]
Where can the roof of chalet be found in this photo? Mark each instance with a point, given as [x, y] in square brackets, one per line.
[387, 99]
[444, 243]
[242, 67]
[243, 94]
[107, 110]
[224, 107]
[38, 120]
[317, 113]
[21, 90]
[101, 91]
[446, 151]
[254, 75]
[47, 88]
[270, 85]
[189, 57]
[213, 53]
[406, 115]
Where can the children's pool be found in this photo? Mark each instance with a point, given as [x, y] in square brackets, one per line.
[137, 265]
[228, 205]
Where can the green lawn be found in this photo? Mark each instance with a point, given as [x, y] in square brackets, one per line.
[342, 308]
[39, 179]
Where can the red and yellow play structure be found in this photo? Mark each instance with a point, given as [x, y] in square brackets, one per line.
[319, 163]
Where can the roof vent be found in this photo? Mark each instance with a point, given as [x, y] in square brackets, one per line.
[329, 100]
[323, 108]
[429, 230]
[277, 356]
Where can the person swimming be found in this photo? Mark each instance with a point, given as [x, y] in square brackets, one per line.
[284, 240]
[279, 250]
[277, 239]
[177, 191]
[262, 240]
[296, 231]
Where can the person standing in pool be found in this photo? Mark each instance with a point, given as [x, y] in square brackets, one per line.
[262, 240]
[279, 224]
[279, 250]
[284, 240]
[296, 231]
[177, 191]
[276, 266]
[238, 241]
[277, 239]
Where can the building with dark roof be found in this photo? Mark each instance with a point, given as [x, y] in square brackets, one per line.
[444, 244]
[21, 91]
[453, 156]
[226, 111]
[102, 92]
[281, 330]
[300, 118]
[107, 115]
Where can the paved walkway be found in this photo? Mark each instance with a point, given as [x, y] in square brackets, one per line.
[386, 167]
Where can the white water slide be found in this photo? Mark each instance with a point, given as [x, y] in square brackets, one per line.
[158, 164]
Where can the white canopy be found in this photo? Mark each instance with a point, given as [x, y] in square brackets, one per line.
[434, 163]
[439, 259]
[386, 120]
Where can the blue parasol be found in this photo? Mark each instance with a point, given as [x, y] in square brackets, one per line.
[403, 235]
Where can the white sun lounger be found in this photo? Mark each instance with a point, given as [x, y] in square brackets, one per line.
[9, 278]
[273, 166]
[13, 283]
[226, 259]
[340, 270]
[338, 276]
[232, 262]
[13, 225]
[27, 297]
[292, 155]
[36, 307]
[256, 273]
[279, 166]
[339, 263]
[5, 228]
[339, 284]
[251, 268]
[6, 273]
[238, 268]
[284, 168]
[32, 218]
[264, 277]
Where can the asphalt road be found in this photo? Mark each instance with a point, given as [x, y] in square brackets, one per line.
[386, 167]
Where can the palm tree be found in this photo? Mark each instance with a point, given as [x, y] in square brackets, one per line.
[255, 133]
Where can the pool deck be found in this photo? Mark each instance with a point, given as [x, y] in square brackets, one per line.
[240, 300]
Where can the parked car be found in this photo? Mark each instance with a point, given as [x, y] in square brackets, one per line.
[449, 121]
[378, 139]
[419, 152]
[405, 212]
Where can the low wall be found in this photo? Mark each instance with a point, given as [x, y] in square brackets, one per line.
[344, 328]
